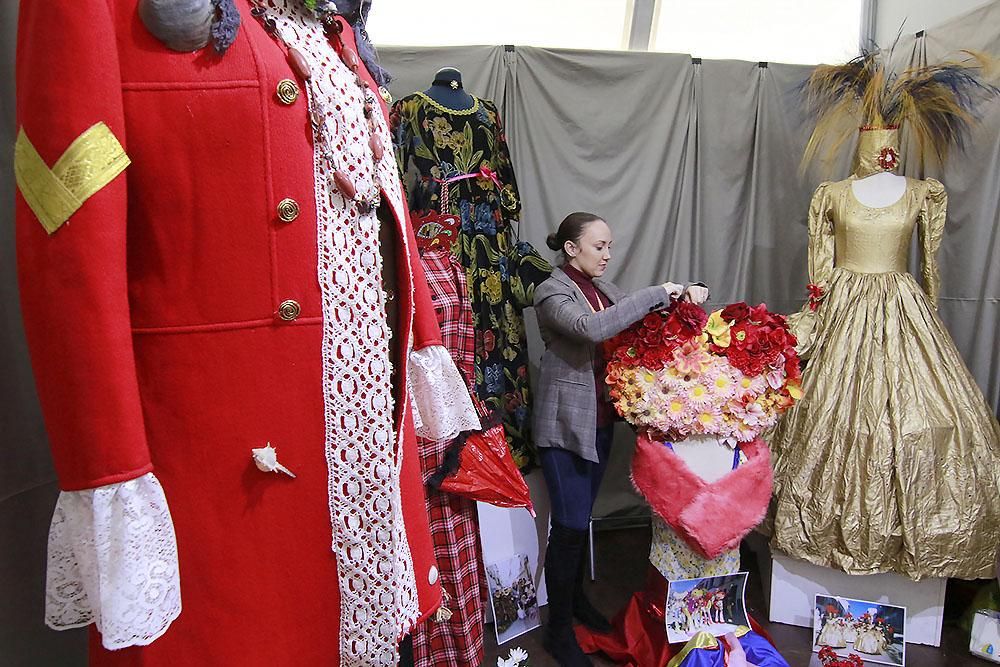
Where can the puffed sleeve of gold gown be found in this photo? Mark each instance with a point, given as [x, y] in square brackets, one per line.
[930, 227]
[821, 252]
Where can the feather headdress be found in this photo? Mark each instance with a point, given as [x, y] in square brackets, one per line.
[935, 105]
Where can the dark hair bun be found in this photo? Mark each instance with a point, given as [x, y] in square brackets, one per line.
[552, 241]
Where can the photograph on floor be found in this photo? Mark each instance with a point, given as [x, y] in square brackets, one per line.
[513, 597]
[985, 639]
[873, 630]
[715, 605]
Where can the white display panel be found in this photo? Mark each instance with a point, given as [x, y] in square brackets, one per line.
[782, 31]
[795, 583]
[580, 24]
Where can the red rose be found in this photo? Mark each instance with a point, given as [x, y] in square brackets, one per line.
[652, 338]
[652, 360]
[653, 322]
[735, 312]
[792, 367]
[779, 338]
[489, 341]
[674, 329]
[691, 317]
[759, 314]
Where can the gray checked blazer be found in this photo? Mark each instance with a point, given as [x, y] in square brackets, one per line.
[565, 408]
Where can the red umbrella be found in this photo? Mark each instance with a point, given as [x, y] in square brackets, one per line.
[479, 465]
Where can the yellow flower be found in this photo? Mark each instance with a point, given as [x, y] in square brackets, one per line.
[718, 329]
[482, 181]
[440, 129]
[795, 391]
[676, 407]
[723, 382]
[745, 383]
[707, 418]
[491, 287]
[456, 141]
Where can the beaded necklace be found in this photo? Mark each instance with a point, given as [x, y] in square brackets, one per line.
[339, 182]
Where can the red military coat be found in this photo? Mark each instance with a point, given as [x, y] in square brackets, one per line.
[157, 334]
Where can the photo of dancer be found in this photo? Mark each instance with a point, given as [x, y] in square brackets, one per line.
[874, 631]
[712, 604]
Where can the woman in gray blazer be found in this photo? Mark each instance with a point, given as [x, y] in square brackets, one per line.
[573, 416]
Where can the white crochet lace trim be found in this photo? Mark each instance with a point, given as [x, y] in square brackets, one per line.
[377, 582]
[113, 562]
[442, 407]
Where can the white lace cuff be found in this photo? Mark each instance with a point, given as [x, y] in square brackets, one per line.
[442, 407]
[113, 562]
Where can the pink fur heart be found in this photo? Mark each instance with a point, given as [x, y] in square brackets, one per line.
[712, 517]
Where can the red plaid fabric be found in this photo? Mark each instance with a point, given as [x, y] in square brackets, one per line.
[457, 642]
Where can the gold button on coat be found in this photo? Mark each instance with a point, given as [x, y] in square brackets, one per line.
[288, 91]
[288, 209]
[289, 310]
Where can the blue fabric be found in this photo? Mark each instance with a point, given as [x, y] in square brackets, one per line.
[573, 482]
[759, 652]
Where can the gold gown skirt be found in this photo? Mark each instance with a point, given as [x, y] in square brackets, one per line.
[891, 462]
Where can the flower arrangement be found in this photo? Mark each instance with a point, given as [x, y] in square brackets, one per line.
[684, 372]
[517, 657]
[829, 658]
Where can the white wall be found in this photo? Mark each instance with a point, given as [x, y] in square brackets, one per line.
[918, 14]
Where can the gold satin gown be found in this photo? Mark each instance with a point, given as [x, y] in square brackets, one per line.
[891, 461]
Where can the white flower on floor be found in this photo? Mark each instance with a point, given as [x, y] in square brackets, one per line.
[518, 657]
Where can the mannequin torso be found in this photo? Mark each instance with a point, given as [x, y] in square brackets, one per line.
[879, 190]
[447, 90]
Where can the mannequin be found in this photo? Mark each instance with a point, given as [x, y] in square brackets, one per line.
[460, 185]
[879, 190]
[860, 232]
[282, 505]
[447, 90]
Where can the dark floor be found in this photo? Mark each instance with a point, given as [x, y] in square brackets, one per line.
[621, 567]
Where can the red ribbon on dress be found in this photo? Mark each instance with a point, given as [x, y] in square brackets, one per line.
[815, 295]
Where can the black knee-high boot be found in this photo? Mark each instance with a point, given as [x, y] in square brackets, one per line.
[562, 561]
[583, 610]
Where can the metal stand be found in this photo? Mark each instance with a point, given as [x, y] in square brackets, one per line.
[612, 522]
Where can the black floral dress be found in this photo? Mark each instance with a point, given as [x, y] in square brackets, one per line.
[456, 162]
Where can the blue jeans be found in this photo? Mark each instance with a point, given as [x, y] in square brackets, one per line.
[573, 482]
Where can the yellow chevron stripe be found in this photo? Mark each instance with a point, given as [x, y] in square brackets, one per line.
[92, 161]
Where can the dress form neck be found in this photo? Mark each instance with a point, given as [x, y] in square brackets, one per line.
[705, 456]
[879, 190]
[447, 90]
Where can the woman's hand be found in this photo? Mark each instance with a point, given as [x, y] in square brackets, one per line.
[674, 290]
[696, 294]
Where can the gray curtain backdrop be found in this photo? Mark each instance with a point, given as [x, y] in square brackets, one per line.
[693, 164]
